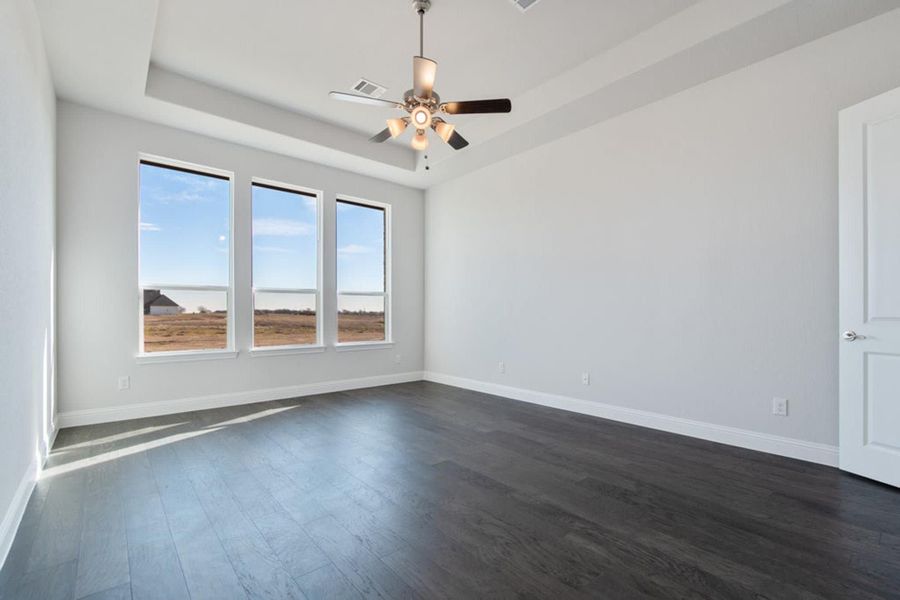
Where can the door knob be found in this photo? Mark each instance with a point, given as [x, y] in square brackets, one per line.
[850, 336]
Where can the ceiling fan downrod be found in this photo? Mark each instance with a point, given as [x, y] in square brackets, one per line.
[421, 7]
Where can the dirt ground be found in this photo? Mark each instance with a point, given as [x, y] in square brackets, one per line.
[209, 331]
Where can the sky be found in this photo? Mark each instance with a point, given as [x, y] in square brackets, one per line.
[185, 237]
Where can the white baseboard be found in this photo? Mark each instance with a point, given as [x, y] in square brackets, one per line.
[822, 454]
[16, 509]
[166, 407]
[733, 436]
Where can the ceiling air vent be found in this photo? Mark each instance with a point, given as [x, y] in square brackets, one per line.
[369, 88]
[525, 4]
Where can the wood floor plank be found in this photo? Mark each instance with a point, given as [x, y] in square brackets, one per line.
[55, 582]
[103, 552]
[297, 552]
[208, 572]
[152, 558]
[327, 583]
[58, 534]
[256, 565]
[421, 490]
[365, 571]
[155, 571]
[121, 592]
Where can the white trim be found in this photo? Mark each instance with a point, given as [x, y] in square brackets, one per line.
[174, 162]
[822, 454]
[319, 196]
[366, 201]
[231, 319]
[308, 292]
[16, 510]
[354, 346]
[287, 187]
[46, 447]
[184, 288]
[388, 265]
[283, 350]
[166, 407]
[184, 356]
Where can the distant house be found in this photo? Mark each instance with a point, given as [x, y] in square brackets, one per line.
[156, 303]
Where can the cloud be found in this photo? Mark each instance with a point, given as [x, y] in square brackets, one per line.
[281, 227]
[354, 249]
[221, 238]
[150, 227]
[175, 186]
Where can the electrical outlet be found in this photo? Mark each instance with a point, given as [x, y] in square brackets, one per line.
[780, 407]
[124, 383]
[397, 358]
[501, 367]
[585, 379]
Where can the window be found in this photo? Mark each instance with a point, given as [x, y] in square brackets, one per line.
[185, 258]
[363, 276]
[285, 266]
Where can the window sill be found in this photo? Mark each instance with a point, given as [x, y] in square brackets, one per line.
[184, 356]
[285, 350]
[354, 346]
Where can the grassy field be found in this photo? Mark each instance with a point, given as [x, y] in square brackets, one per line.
[166, 333]
[278, 329]
[360, 327]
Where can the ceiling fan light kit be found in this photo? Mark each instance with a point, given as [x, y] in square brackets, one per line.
[420, 142]
[423, 104]
[397, 126]
[443, 129]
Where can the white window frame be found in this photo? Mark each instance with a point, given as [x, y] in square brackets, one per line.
[188, 355]
[388, 279]
[318, 346]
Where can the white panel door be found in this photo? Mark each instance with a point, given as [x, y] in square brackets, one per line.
[870, 288]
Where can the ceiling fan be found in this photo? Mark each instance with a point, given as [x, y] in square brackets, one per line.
[423, 104]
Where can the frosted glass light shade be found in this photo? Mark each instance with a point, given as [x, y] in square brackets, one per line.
[421, 117]
[444, 130]
[420, 142]
[396, 126]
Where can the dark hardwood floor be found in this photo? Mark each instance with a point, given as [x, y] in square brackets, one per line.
[427, 491]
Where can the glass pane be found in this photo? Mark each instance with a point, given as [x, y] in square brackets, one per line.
[360, 318]
[184, 227]
[185, 320]
[284, 319]
[360, 248]
[285, 235]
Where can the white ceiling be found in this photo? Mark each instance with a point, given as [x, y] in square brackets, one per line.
[291, 53]
[258, 72]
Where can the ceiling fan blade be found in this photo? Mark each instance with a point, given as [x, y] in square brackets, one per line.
[456, 141]
[473, 107]
[365, 100]
[381, 136]
[424, 71]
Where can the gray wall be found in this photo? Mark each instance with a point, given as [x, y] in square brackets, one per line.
[98, 267]
[685, 254]
[27, 173]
